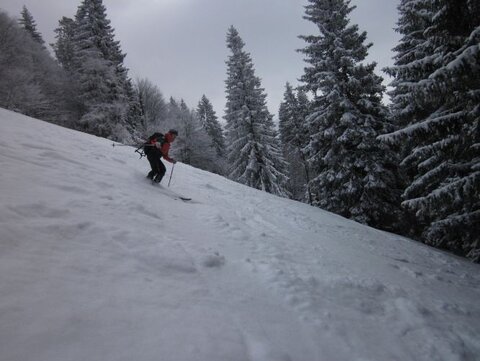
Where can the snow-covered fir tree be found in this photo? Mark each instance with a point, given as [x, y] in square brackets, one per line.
[63, 46]
[111, 51]
[294, 135]
[292, 126]
[105, 89]
[209, 121]
[354, 174]
[193, 145]
[253, 150]
[412, 64]
[30, 26]
[444, 136]
[415, 17]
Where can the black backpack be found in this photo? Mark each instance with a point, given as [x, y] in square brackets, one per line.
[145, 148]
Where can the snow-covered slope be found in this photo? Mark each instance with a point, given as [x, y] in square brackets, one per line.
[98, 264]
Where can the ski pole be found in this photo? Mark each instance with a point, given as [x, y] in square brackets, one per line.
[133, 145]
[122, 145]
[171, 172]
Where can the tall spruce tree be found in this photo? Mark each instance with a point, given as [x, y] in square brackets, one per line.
[415, 18]
[294, 135]
[354, 173]
[444, 136]
[105, 89]
[209, 121]
[28, 23]
[64, 47]
[253, 150]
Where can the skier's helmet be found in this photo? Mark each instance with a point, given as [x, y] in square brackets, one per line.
[173, 131]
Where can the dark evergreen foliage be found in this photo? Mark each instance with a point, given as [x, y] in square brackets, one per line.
[253, 150]
[295, 136]
[104, 88]
[63, 47]
[209, 121]
[440, 87]
[343, 147]
[30, 26]
[353, 173]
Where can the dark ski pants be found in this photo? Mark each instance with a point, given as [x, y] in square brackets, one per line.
[158, 168]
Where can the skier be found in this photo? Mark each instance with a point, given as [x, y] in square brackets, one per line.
[156, 149]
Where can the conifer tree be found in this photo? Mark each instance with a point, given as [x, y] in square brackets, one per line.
[444, 137]
[30, 26]
[253, 151]
[294, 135]
[209, 121]
[289, 120]
[415, 18]
[64, 46]
[354, 173]
[105, 89]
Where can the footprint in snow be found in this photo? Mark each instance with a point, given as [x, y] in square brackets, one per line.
[214, 261]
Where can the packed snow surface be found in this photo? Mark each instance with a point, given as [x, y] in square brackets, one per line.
[96, 263]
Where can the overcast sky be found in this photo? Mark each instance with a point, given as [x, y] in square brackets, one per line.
[179, 45]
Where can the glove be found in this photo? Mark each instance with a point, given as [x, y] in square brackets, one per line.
[174, 161]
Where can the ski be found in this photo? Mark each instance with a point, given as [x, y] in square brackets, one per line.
[170, 193]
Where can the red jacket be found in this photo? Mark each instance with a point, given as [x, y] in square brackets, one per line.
[165, 147]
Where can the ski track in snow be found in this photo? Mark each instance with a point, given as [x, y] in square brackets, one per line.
[97, 263]
[328, 299]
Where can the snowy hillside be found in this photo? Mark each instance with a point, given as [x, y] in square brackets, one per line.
[98, 264]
